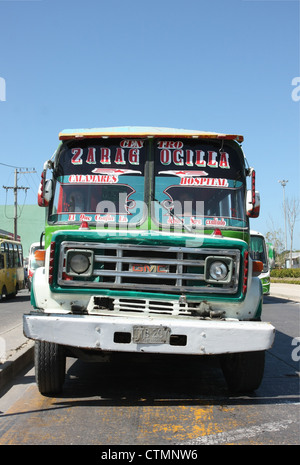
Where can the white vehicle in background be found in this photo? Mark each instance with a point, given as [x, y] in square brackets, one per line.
[34, 261]
[263, 251]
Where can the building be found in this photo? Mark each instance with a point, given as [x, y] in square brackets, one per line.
[295, 260]
[31, 223]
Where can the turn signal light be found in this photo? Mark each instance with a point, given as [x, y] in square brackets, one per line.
[245, 276]
[257, 267]
[39, 255]
[51, 262]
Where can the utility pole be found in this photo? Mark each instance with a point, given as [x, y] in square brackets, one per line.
[15, 189]
[284, 182]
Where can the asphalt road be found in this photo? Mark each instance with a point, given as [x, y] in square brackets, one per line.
[162, 401]
[11, 310]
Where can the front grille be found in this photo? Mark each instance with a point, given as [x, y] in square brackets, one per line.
[161, 307]
[149, 268]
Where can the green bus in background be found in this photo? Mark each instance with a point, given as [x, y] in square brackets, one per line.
[271, 255]
[263, 251]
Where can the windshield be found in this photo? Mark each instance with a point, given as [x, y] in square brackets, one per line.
[199, 184]
[258, 250]
[99, 181]
[107, 181]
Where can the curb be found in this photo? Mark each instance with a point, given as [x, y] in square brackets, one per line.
[16, 364]
[284, 297]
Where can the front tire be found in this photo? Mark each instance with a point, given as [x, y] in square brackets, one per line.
[50, 367]
[243, 371]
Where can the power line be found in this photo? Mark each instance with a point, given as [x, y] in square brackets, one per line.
[17, 167]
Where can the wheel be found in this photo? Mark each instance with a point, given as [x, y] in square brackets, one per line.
[3, 293]
[50, 366]
[243, 371]
[14, 293]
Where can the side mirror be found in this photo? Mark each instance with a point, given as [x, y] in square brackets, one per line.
[253, 199]
[253, 210]
[45, 188]
[45, 192]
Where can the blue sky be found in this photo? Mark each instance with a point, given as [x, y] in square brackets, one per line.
[212, 65]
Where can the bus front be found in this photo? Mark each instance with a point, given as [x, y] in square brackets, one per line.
[147, 250]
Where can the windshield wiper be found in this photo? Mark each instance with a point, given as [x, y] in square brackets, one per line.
[185, 226]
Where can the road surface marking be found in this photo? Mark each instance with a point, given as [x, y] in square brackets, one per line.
[241, 433]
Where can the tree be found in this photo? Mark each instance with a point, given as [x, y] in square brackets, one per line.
[292, 213]
[276, 237]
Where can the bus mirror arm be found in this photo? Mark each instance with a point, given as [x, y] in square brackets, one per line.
[41, 240]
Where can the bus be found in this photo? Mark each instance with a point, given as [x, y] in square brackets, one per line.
[11, 268]
[260, 250]
[147, 241]
[271, 254]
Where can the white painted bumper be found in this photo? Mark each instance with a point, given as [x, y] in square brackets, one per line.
[98, 332]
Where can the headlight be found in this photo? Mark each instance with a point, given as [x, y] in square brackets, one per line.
[79, 262]
[218, 270]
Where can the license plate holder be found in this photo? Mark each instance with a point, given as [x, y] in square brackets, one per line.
[151, 334]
